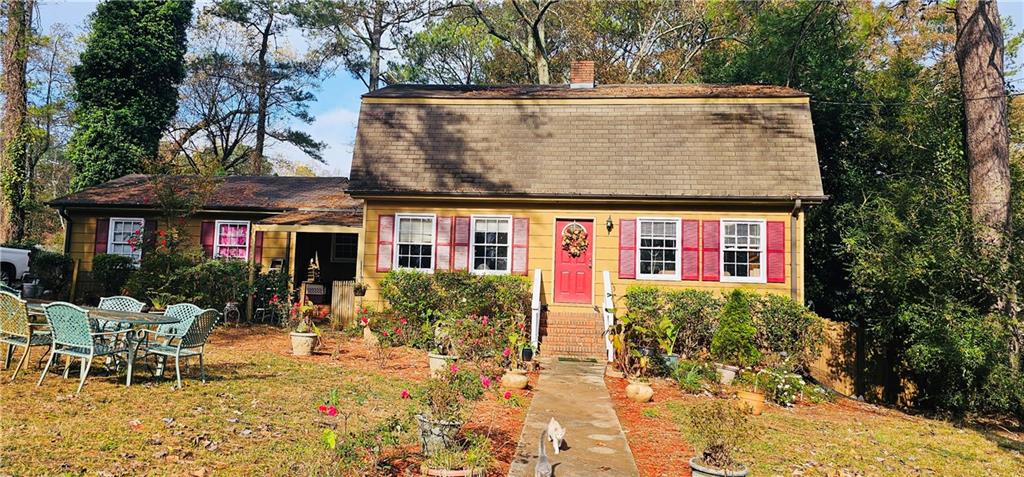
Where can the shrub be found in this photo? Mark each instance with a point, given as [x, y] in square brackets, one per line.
[780, 385]
[163, 272]
[112, 272]
[410, 293]
[52, 269]
[787, 328]
[695, 314]
[442, 397]
[693, 376]
[218, 281]
[267, 285]
[733, 341]
[719, 428]
[476, 453]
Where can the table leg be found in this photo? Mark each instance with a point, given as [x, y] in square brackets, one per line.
[133, 346]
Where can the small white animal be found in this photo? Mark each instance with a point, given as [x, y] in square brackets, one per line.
[543, 468]
[557, 433]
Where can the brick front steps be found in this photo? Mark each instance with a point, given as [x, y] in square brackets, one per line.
[572, 334]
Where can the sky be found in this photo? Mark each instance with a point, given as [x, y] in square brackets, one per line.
[336, 108]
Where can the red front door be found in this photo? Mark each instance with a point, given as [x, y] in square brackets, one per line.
[573, 275]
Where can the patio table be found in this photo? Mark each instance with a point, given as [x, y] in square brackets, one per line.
[132, 319]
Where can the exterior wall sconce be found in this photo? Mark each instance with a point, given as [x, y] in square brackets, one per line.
[608, 224]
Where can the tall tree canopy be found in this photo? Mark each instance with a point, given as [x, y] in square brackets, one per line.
[126, 86]
[14, 182]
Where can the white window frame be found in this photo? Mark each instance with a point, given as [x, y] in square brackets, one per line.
[763, 250]
[679, 242]
[334, 247]
[433, 241]
[135, 255]
[216, 237]
[472, 245]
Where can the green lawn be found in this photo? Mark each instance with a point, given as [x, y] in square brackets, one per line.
[849, 438]
[255, 416]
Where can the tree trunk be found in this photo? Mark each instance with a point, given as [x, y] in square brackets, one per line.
[979, 56]
[13, 136]
[263, 97]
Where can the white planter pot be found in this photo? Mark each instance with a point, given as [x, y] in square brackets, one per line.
[639, 392]
[726, 373]
[515, 379]
[303, 343]
[439, 361]
[699, 470]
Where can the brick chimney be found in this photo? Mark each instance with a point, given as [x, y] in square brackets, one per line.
[581, 74]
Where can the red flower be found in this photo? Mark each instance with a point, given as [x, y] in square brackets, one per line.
[484, 321]
[323, 408]
[332, 411]
[405, 394]
[162, 233]
[365, 320]
[508, 395]
[386, 333]
[404, 321]
[506, 352]
[163, 243]
[455, 369]
[485, 381]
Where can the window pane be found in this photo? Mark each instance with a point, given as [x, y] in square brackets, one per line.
[658, 245]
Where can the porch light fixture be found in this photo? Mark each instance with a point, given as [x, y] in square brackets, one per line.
[608, 224]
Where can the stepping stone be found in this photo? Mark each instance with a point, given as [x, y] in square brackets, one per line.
[574, 394]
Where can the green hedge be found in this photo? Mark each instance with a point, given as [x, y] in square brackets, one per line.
[52, 269]
[112, 272]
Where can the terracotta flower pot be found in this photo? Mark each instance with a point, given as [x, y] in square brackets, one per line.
[438, 362]
[698, 469]
[639, 391]
[429, 471]
[751, 401]
[303, 343]
[515, 379]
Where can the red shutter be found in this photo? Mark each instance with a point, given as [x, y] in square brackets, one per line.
[443, 254]
[627, 248]
[385, 242]
[691, 250]
[206, 234]
[102, 234]
[149, 233]
[460, 261]
[776, 248]
[257, 248]
[711, 247]
[520, 245]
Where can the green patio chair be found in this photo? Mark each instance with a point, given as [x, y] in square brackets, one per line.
[13, 291]
[189, 344]
[184, 312]
[17, 331]
[75, 335]
[118, 303]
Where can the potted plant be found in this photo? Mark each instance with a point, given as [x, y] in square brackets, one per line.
[527, 353]
[442, 417]
[733, 342]
[667, 333]
[515, 377]
[719, 429]
[639, 388]
[471, 461]
[359, 289]
[441, 355]
[305, 336]
[750, 396]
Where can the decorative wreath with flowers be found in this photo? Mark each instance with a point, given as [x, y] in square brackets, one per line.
[574, 240]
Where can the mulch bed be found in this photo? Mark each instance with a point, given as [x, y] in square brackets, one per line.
[491, 416]
[658, 447]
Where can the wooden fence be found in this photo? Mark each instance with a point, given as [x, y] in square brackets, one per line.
[343, 304]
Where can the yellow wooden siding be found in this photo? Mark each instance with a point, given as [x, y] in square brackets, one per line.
[606, 245]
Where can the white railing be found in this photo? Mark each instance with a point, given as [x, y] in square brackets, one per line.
[535, 311]
[608, 313]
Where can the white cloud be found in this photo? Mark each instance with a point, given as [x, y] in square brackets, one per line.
[335, 127]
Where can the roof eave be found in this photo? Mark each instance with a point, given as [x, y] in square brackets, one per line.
[394, 194]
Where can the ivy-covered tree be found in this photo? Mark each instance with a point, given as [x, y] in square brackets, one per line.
[126, 86]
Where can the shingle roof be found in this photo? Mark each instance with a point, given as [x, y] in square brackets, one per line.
[257, 193]
[600, 91]
[350, 218]
[656, 148]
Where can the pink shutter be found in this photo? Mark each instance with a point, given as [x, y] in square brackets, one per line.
[711, 247]
[257, 248]
[691, 250]
[149, 233]
[627, 248]
[443, 254]
[520, 245]
[102, 234]
[385, 242]
[460, 260]
[206, 235]
[776, 248]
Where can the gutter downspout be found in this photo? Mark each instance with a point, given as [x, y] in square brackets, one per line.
[63, 213]
[797, 206]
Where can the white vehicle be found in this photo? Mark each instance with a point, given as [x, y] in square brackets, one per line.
[13, 264]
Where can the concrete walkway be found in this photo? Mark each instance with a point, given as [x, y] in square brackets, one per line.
[575, 395]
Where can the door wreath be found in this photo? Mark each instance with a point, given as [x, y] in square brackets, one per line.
[574, 239]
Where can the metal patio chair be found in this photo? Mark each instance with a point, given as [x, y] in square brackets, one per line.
[76, 335]
[9, 289]
[17, 331]
[189, 344]
[118, 303]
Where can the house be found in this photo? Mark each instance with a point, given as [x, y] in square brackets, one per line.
[276, 222]
[682, 186]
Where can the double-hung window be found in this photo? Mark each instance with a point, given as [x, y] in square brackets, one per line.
[492, 244]
[743, 251]
[232, 239]
[414, 244]
[658, 249]
[119, 238]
